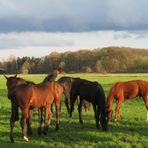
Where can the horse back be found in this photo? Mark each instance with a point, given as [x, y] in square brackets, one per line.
[126, 90]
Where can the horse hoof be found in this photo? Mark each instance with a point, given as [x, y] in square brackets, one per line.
[116, 120]
[12, 140]
[30, 133]
[70, 120]
[44, 132]
[57, 127]
[97, 126]
[39, 133]
[26, 139]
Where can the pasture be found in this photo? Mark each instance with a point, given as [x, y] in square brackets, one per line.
[130, 131]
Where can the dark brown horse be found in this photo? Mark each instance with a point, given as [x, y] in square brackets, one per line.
[67, 82]
[91, 92]
[29, 96]
[126, 90]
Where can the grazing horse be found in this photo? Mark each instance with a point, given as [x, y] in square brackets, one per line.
[91, 92]
[126, 90]
[28, 96]
[67, 82]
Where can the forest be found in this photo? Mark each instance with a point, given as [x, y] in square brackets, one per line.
[104, 60]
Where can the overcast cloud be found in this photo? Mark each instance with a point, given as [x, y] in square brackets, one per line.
[39, 44]
[72, 15]
[38, 27]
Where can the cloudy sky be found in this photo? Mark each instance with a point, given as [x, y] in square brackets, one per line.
[38, 27]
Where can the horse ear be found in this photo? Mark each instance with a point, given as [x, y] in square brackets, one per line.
[6, 77]
[15, 75]
[59, 70]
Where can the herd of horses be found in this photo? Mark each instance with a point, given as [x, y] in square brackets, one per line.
[27, 95]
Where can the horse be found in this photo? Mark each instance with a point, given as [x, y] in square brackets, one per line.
[91, 92]
[126, 90]
[28, 96]
[18, 81]
[13, 82]
[66, 82]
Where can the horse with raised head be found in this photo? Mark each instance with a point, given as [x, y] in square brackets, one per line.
[29, 96]
[126, 90]
[91, 92]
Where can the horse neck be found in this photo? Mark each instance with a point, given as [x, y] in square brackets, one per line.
[50, 77]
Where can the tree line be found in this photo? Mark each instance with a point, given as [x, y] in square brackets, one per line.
[105, 60]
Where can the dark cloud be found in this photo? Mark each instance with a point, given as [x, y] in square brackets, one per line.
[72, 16]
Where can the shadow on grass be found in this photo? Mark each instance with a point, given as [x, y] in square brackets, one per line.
[73, 133]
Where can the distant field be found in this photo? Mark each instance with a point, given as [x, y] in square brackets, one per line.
[131, 131]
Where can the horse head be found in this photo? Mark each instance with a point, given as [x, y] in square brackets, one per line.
[58, 70]
[14, 81]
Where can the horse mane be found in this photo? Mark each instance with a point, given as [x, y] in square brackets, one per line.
[29, 82]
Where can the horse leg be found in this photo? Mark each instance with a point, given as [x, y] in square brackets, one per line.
[146, 104]
[73, 97]
[12, 123]
[96, 115]
[47, 118]
[80, 111]
[14, 117]
[117, 113]
[52, 108]
[29, 122]
[67, 99]
[40, 120]
[67, 104]
[57, 114]
[24, 118]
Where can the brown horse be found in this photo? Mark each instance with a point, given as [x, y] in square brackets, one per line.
[126, 90]
[28, 96]
[15, 81]
[67, 83]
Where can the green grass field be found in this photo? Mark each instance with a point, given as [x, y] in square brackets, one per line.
[130, 131]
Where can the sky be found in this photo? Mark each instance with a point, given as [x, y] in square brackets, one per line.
[39, 27]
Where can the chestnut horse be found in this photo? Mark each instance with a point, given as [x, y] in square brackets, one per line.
[126, 90]
[29, 96]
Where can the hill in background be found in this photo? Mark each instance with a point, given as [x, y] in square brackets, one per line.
[105, 60]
